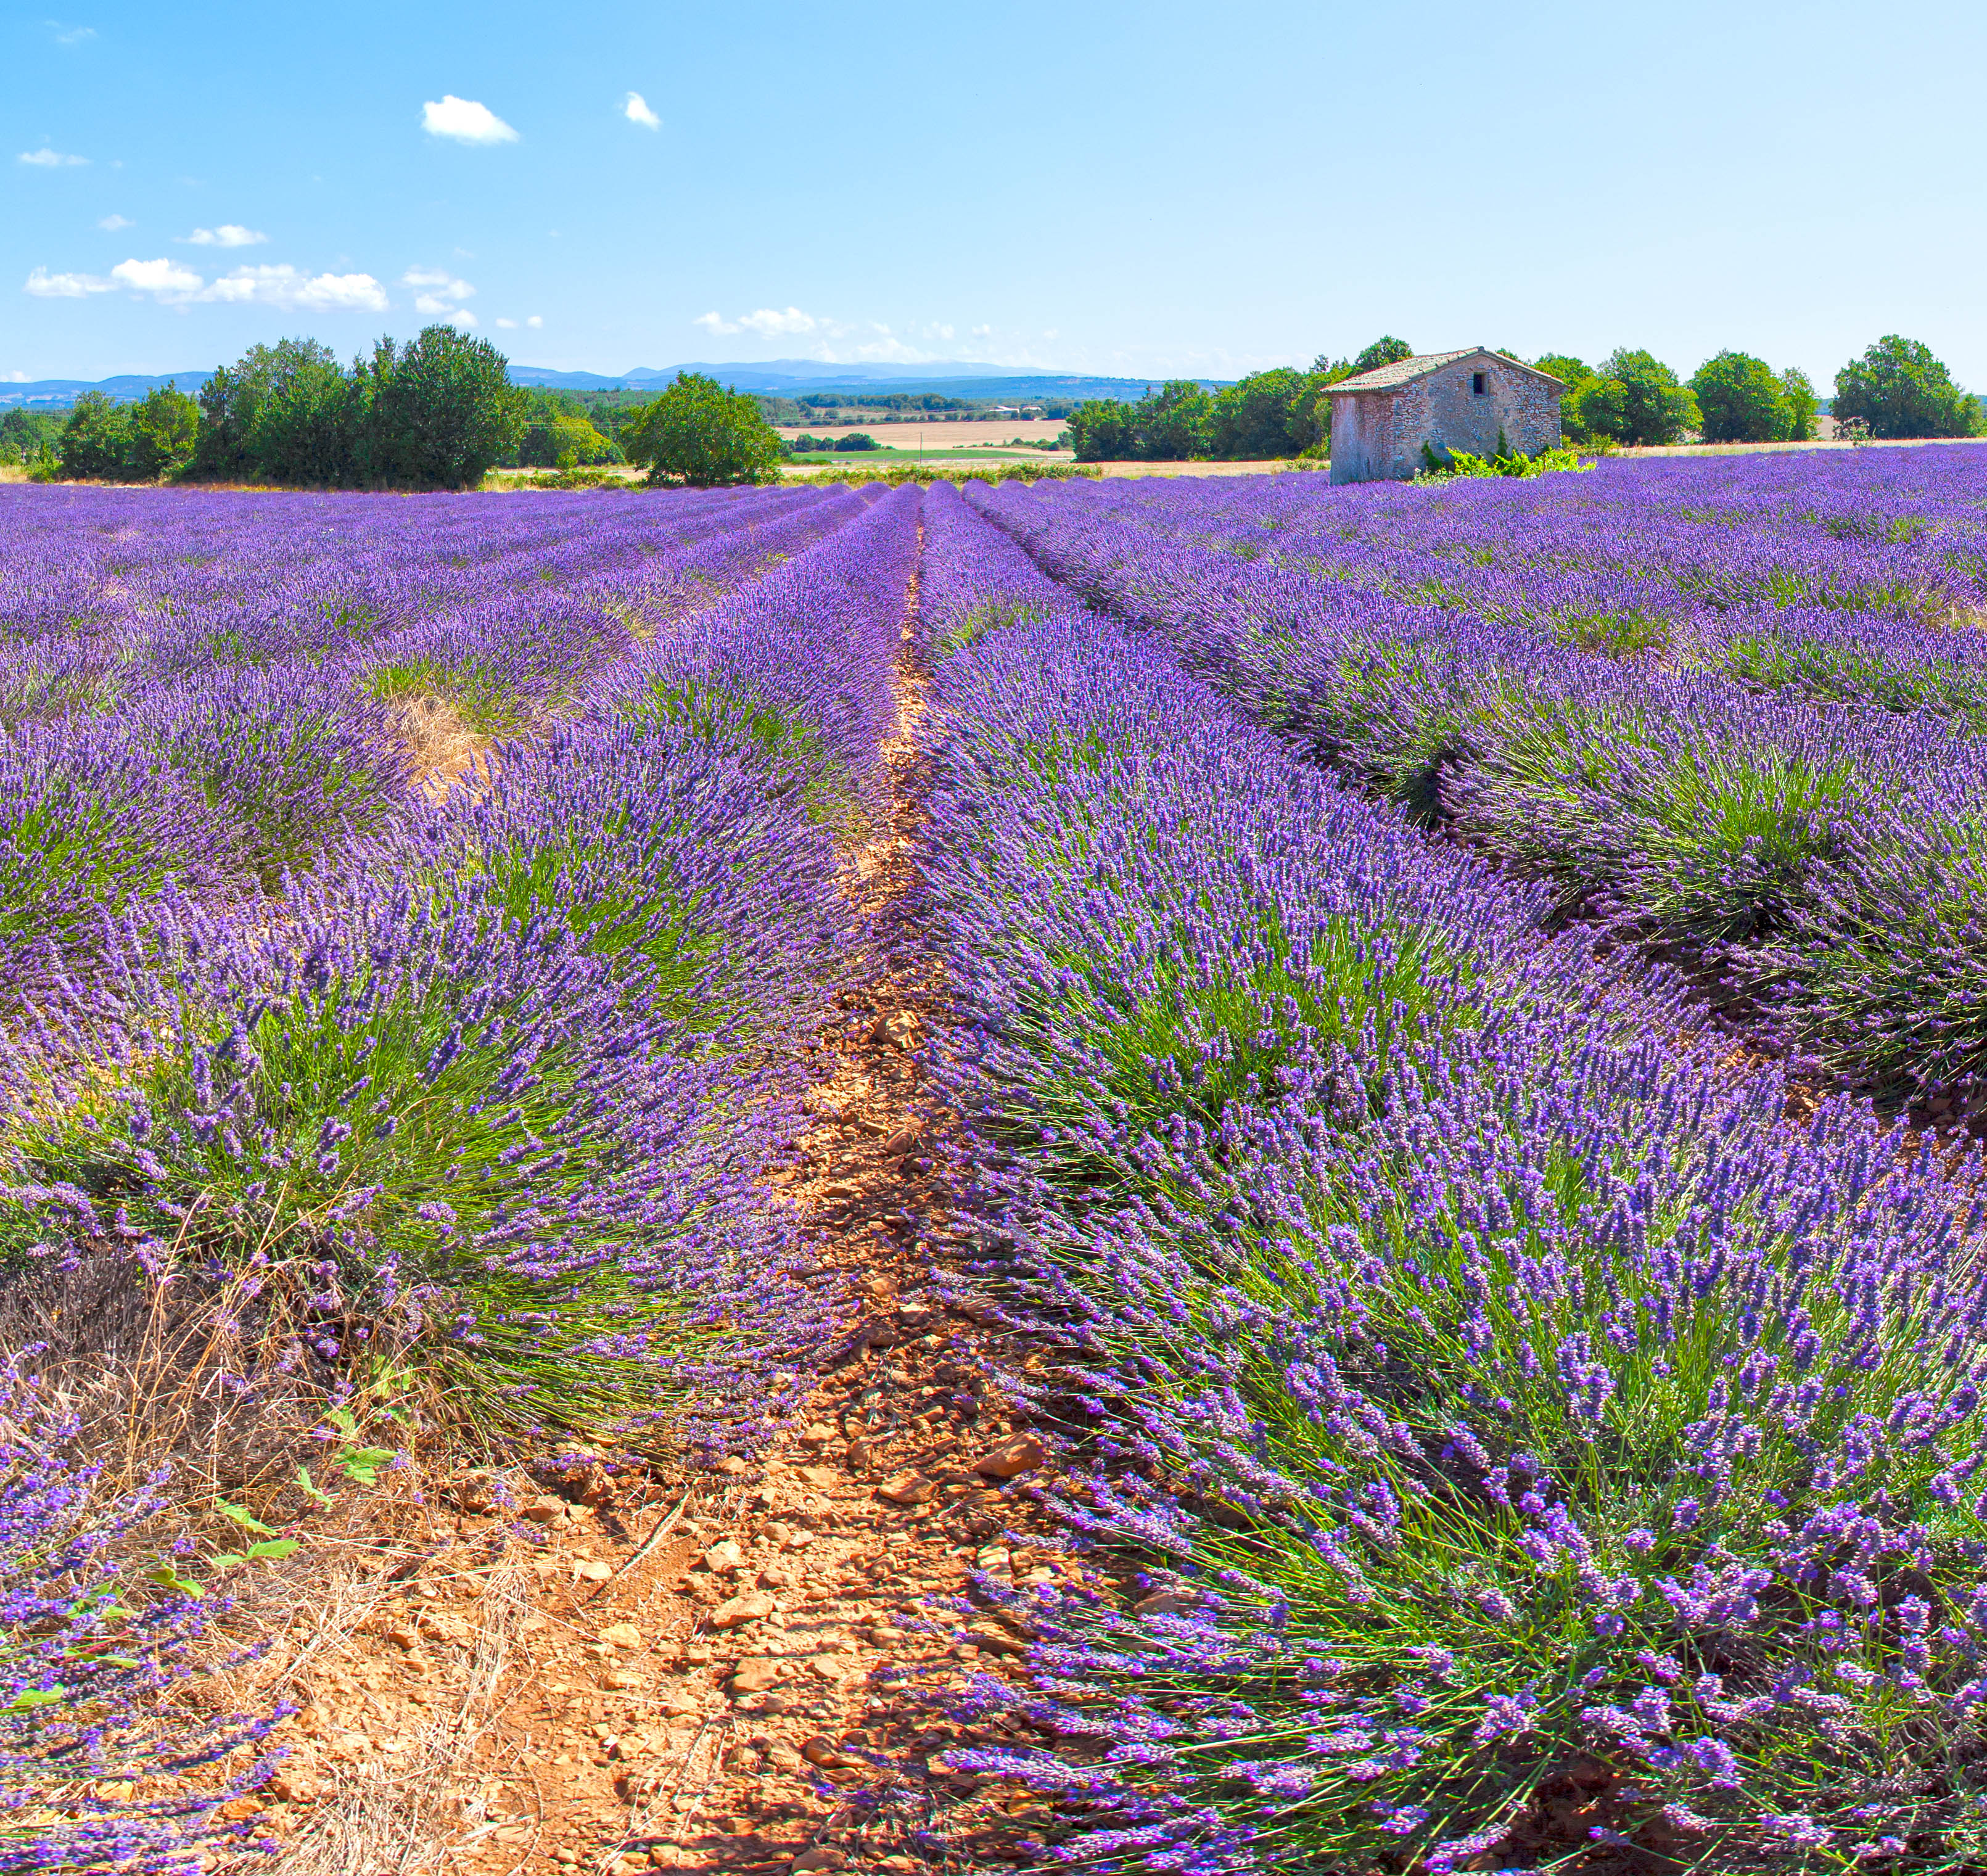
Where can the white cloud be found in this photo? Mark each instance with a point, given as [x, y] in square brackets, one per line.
[636, 111]
[767, 323]
[462, 318]
[288, 287]
[506, 325]
[534, 321]
[465, 121]
[14, 377]
[69, 36]
[172, 284]
[47, 159]
[436, 290]
[163, 278]
[46, 285]
[510, 325]
[229, 234]
[111, 224]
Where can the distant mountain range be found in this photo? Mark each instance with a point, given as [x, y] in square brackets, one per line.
[59, 393]
[792, 376]
[778, 377]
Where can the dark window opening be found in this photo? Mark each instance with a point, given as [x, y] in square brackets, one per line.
[1476, 383]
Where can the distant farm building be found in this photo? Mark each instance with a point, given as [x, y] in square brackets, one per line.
[1449, 400]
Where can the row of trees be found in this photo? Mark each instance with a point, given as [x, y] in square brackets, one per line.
[1897, 389]
[1283, 412]
[435, 413]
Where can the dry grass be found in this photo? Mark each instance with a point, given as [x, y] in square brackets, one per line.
[444, 753]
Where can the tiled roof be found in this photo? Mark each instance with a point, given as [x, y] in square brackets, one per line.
[1404, 371]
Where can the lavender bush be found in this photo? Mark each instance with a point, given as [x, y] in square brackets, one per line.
[90, 1656]
[1682, 693]
[1535, 1441]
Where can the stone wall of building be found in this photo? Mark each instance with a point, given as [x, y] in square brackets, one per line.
[1377, 436]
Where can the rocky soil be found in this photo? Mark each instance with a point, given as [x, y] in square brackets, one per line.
[722, 1672]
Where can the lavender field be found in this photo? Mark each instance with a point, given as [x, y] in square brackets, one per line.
[1464, 1006]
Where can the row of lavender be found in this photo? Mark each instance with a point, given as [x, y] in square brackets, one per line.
[1833, 578]
[1527, 1421]
[1830, 855]
[497, 1084]
[131, 760]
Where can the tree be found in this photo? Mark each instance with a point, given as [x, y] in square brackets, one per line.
[1739, 399]
[303, 431]
[1173, 426]
[278, 414]
[164, 423]
[437, 413]
[29, 436]
[1576, 375]
[1101, 430]
[96, 439]
[1267, 413]
[558, 431]
[1802, 404]
[1383, 351]
[1898, 389]
[699, 432]
[1636, 398]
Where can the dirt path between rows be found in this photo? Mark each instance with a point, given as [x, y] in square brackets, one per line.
[717, 1672]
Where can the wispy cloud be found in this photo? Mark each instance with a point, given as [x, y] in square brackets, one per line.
[438, 291]
[47, 159]
[465, 121]
[46, 285]
[111, 224]
[636, 111]
[69, 36]
[767, 323]
[229, 234]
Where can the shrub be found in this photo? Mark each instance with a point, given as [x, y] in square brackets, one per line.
[87, 1651]
[433, 1122]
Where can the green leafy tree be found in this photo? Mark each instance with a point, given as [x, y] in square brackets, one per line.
[557, 431]
[1636, 399]
[1101, 430]
[1739, 399]
[1173, 425]
[96, 440]
[165, 424]
[1388, 350]
[29, 436]
[1898, 389]
[699, 432]
[303, 431]
[1268, 413]
[278, 414]
[1803, 405]
[1575, 374]
[436, 414]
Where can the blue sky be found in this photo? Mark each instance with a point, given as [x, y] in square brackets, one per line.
[1144, 188]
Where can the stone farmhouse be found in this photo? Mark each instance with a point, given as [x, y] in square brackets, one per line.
[1450, 400]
